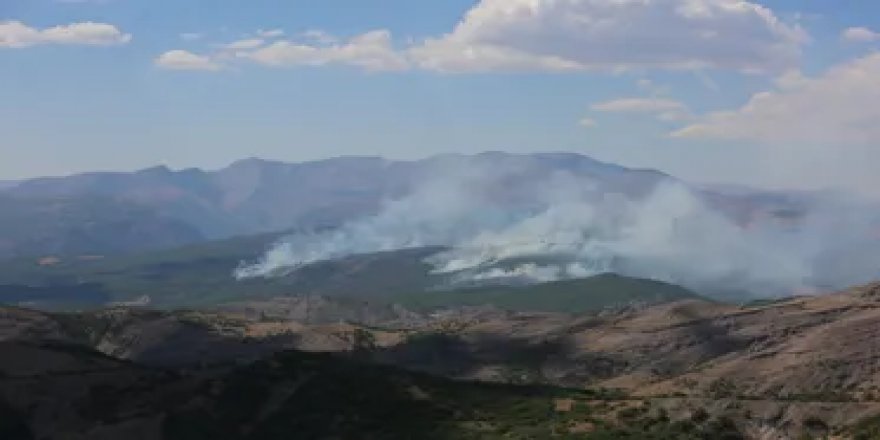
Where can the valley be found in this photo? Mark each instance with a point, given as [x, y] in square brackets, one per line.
[200, 275]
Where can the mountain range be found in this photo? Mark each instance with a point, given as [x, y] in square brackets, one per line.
[159, 207]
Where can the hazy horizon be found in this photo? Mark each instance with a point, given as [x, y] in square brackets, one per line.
[717, 185]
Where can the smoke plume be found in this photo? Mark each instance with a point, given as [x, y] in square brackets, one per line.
[507, 223]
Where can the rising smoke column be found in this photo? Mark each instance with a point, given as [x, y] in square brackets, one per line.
[566, 226]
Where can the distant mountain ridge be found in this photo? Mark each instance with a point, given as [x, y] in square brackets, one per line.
[255, 196]
[85, 226]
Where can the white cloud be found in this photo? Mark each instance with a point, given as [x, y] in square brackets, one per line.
[564, 35]
[270, 33]
[15, 34]
[445, 56]
[860, 35]
[663, 109]
[842, 106]
[320, 37]
[808, 131]
[183, 60]
[371, 51]
[246, 44]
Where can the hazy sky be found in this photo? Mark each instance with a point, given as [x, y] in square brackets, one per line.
[777, 93]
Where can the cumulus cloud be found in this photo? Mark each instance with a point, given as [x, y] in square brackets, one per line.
[319, 36]
[371, 51]
[808, 131]
[564, 35]
[184, 60]
[838, 107]
[446, 56]
[15, 34]
[860, 35]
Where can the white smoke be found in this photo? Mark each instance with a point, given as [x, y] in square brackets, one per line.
[564, 227]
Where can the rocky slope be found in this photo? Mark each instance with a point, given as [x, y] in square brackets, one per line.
[796, 347]
[776, 370]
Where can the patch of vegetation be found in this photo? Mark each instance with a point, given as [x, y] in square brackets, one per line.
[193, 275]
[200, 275]
[55, 296]
[574, 296]
[867, 429]
[659, 427]
[319, 396]
[722, 388]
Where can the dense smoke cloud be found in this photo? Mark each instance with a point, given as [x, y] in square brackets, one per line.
[499, 226]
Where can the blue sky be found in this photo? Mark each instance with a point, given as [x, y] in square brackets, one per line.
[660, 83]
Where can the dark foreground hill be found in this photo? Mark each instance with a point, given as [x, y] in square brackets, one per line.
[790, 369]
[304, 396]
[53, 385]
